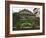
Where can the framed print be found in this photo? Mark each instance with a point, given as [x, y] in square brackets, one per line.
[24, 19]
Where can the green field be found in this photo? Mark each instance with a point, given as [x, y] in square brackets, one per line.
[32, 23]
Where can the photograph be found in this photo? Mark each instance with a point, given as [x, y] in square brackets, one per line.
[25, 18]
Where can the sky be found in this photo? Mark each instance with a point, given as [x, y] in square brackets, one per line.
[21, 8]
[17, 8]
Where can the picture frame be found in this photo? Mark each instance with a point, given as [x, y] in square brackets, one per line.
[17, 5]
